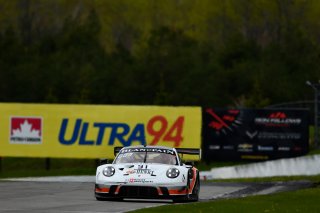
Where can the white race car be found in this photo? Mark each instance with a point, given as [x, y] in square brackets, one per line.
[148, 172]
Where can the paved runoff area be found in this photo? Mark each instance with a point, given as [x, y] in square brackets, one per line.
[75, 194]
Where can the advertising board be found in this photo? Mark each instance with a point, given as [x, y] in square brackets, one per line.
[255, 134]
[92, 131]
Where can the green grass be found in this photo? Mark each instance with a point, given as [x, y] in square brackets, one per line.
[314, 152]
[306, 200]
[312, 178]
[32, 167]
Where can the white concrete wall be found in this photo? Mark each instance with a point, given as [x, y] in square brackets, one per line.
[308, 165]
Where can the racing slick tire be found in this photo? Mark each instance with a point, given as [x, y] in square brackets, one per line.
[194, 197]
[195, 192]
[108, 199]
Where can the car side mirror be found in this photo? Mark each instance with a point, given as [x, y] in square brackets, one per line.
[189, 164]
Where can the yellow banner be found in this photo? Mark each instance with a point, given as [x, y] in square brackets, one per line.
[92, 131]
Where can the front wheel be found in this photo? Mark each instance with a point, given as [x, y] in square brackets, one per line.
[194, 197]
[108, 199]
[186, 198]
[101, 199]
[195, 192]
[181, 199]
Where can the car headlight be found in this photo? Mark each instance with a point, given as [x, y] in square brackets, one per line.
[173, 173]
[108, 171]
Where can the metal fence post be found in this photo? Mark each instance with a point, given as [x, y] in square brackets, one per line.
[316, 87]
[48, 164]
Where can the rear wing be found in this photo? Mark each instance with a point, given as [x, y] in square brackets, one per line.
[189, 151]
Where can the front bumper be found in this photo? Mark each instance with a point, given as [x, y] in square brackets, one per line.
[141, 192]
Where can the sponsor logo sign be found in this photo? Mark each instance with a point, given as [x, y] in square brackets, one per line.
[280, 135]
[251, 135]
[277, 119]
[245, 147]
[92, 131]
[131, 171]
[138, 180]
[214, 147]
[272, 133]
[228, 147]
[25, 130]
[144, 171]
[166, 151]
[284, 148]
[140, 172]
[265, 148]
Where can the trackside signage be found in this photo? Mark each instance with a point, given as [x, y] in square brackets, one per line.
[254, 134]
[92, 131]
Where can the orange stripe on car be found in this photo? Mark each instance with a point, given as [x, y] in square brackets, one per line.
[104, 190]
[117, 190]
[178, 192]
[193, 182]
[159, 191]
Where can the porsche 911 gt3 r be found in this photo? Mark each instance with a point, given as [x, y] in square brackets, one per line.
[148, 172]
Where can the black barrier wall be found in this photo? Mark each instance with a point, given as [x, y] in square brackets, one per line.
[254, 134]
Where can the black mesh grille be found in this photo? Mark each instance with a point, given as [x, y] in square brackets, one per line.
[138, 191]
[112, 190]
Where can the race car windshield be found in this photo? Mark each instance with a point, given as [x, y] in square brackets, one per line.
[146, 156]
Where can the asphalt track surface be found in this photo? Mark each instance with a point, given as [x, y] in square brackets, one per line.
[78, 197]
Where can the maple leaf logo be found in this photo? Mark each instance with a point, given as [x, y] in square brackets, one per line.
[26, 131]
